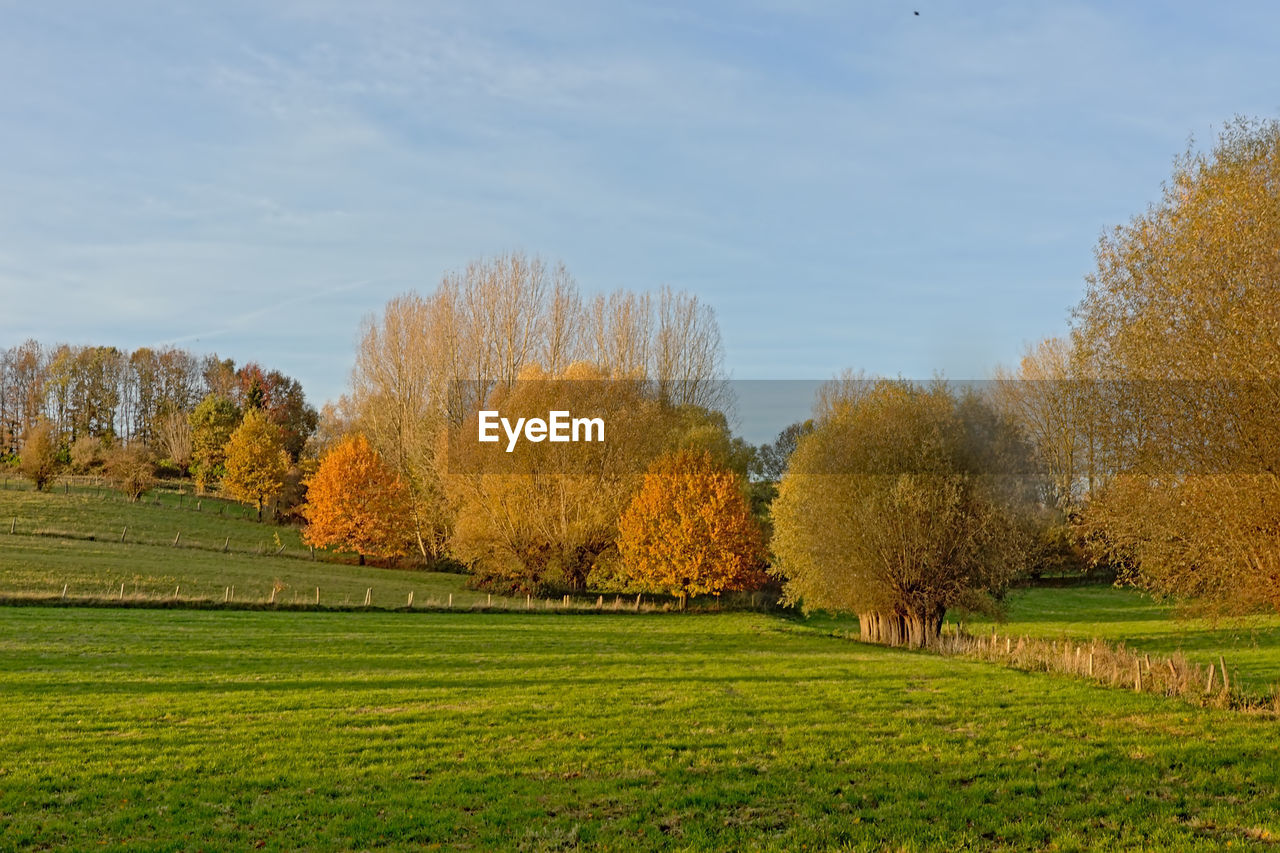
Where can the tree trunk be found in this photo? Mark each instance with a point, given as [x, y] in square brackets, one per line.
[361, 559]
[259, 510]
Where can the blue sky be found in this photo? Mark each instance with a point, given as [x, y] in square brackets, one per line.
[849, 184]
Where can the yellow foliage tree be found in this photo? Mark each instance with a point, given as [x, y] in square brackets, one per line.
[256, 460]
[356, 502]
[689, 530]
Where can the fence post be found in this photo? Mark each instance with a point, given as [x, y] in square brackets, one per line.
[410, 602]
[450, 600]
[317, 595]
[368, 596]
[1226, 682]
[123, 532]
[64, 590]
[176, 538]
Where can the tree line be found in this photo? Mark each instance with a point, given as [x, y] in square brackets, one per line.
[1145, 440]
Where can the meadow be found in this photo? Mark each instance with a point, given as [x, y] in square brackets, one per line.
[125, 728]
[73, 539]
[1250, 644]
[172, 729]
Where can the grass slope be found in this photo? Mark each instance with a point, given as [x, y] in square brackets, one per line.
[74, 539]
[1251, 646]
[206, 730]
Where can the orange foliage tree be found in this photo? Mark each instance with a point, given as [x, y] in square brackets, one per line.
[689, 530]
[355, 501]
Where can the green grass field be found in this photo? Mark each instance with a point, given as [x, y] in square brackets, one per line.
[1250, 645]
[127, 729]
[51, 547]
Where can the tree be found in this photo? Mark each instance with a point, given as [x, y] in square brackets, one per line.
[899, 505]
[547, 514]
[689, 531]
[256, 461]
[771, 459]
[355, 501]
[212, 423]
[131, 469]
[173, 435]
[38, 459]
[1181, 321]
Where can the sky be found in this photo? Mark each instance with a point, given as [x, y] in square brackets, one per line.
[849, 184]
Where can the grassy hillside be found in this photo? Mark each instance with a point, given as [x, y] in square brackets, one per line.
[1251, 645]
[73, 539]
[189, 729]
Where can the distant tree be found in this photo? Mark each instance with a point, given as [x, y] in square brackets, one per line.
[256, 462]
[689, 530]
[356, 501]
[173, 435]
[38, 459]
[212, 423]
[87, 453]
[897, 507]
[131, 469]
[771, 459]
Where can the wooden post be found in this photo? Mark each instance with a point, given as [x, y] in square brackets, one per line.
[233, 592]
[176, 538]
[410, 602]
[199, 505]
[528, 602]
[122, 592]
[1226, 682]
[64, 590]
[226, 595]
[566, 601]
[272, 600]
[175, 591]
[1137, 676]
[1208, 688]
[226, 544]
[617, 602]
[490, 604]
[451, 600]
[368, 596]
[600, 603]
[1091, 663]
[278, 550]
[317, 595]
[313, 552]
[123, 532]
[13, 525]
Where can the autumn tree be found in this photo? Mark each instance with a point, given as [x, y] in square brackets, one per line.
[38, 459]
[256, 462]
[689, 530]
[131, 469]
[174, 438]
[1181, 318]
[355, 501]
[903, 502]
[546, 514]
[429, 362]
[212, 423]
